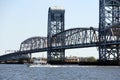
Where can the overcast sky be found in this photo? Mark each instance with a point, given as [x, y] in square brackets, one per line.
[22, 19]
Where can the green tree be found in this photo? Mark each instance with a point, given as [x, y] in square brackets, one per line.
[91, 59]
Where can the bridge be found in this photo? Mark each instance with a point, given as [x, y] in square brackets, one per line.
[106, 37]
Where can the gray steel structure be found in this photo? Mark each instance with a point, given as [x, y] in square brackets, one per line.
[107, 37]
[73, 38]
[109, 29]
[33, 43]
[55, 25]
[76, 37]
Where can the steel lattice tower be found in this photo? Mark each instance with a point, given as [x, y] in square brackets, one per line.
[55, 25]
[109, 28]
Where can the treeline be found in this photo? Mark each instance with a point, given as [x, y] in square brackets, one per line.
[87, 59]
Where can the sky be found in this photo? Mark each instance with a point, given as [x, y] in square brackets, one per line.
[22, 19]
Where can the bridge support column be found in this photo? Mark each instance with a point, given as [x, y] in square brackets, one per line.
[55, 25]
[30, 57]
[109, 15]
[56, 56]
[112, 52]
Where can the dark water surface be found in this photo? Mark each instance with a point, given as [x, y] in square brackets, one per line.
[22, 72]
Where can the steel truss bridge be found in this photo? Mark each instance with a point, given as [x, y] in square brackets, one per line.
[106, 37]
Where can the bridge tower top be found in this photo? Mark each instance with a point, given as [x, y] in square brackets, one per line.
[57, 8]
[55, 20]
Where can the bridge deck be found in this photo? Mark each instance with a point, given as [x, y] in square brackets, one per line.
[5, 57]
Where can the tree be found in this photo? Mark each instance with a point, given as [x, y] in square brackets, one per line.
[91, 59]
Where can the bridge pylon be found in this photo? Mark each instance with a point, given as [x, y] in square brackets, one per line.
[55, 25]
[109, 29]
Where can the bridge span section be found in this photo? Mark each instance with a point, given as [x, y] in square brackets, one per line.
[72, 38]
[76, 38]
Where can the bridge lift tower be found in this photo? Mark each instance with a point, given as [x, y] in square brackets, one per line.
[55, 25]
[109, 29]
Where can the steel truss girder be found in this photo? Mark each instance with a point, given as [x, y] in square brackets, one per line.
[33, 43]
[75, 36]
[109, 29]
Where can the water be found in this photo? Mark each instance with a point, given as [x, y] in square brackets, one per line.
[22, 72]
